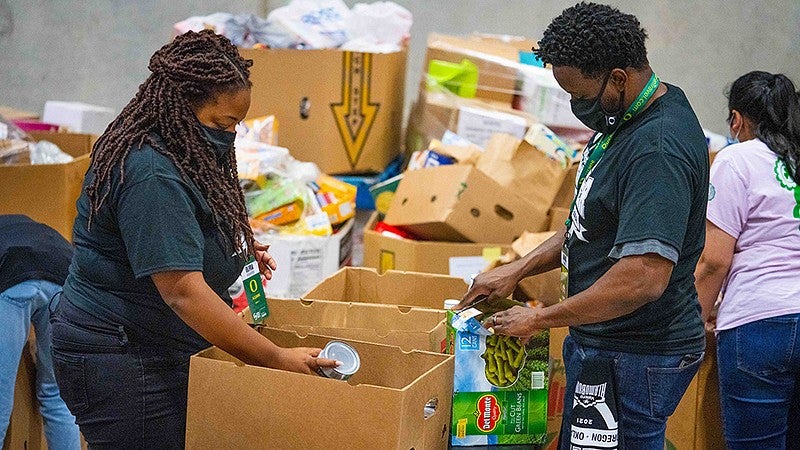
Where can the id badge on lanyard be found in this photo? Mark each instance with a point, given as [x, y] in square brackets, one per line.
[254, 291]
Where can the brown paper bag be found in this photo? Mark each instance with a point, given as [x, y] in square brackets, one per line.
[521, 167]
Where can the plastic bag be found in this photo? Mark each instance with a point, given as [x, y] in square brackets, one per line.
[380, 27]
[317, 23]
[44, 152]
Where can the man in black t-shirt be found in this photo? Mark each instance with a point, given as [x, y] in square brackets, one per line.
[34, 261]
[629, 249]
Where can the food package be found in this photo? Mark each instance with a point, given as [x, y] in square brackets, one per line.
[336, 198]
[500, 384]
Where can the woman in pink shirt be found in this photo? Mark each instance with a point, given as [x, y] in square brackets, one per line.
[752, 256]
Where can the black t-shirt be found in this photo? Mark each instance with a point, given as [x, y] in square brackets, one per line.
[31, 251]
[649, 190]
[155, 222]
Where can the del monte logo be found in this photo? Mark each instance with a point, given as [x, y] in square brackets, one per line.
[487, 413]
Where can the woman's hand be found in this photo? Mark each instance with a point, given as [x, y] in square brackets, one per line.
[302, 360]
[266, 263]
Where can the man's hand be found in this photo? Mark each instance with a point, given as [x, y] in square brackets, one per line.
[519, 321]
[496, 283]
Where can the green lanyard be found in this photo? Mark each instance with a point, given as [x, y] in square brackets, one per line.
[599, 149]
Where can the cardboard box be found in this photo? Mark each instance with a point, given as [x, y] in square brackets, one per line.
[232, 405]
[25, 425]
[340, 110]
[558, 216]
[697, 422]
[10, 113]
[523, 168]
[460, 203]
[388, 253]
[499, 390]
[557, 387]
[496, 58]
[78, 117]
[364, 285]
[303, 261]
[437, 112]
[565, 195]
[542, 96]
[47, 193]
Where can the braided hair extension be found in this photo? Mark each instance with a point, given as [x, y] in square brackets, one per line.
[595, 39]
[186, 74]
[772, 103]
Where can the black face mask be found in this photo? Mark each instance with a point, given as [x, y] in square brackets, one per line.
[593, 115]
[221, 141]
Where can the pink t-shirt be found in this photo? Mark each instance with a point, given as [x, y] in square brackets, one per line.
[753, 199]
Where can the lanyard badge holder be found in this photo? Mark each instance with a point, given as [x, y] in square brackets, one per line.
[594, 154]
[254, 291]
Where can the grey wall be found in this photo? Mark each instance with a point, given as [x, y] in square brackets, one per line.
[97, 50]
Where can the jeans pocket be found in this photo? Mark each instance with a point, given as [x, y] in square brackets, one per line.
[668, 384]
[765, 347]
[70, 371]
[71, 337]
[20, 294]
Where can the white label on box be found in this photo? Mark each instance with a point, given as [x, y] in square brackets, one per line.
[478, 125]
[466, 266]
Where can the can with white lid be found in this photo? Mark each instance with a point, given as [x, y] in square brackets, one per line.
[343, 353]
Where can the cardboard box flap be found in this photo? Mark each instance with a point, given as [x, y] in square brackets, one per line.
[365, 285]
[351, 315]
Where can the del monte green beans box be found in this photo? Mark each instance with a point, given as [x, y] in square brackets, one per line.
[500, 385]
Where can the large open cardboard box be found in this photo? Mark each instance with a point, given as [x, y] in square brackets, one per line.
[382, 406]
[460, 203]
[47, 193]
[365, 285]
[340, 110]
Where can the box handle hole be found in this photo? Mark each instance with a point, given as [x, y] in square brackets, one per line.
[503, 213]
[475, 212]
[433, 199]
[405, 200]
[430, 408]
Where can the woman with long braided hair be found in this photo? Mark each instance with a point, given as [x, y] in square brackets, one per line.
[161, 233]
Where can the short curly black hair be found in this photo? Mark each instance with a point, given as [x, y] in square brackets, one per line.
[594, 38]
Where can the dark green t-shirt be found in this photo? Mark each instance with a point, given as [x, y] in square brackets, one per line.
[647, 194]
[154, 222]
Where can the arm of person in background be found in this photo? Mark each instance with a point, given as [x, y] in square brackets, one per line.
[713, 267]
[628, 285]
[187, 293]
[500, 282]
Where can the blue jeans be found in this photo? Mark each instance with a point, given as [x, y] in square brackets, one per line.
[649, 388]
[124, 395]
[20, 306]
[759, 374]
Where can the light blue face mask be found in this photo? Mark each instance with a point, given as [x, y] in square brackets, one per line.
[733, 139]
